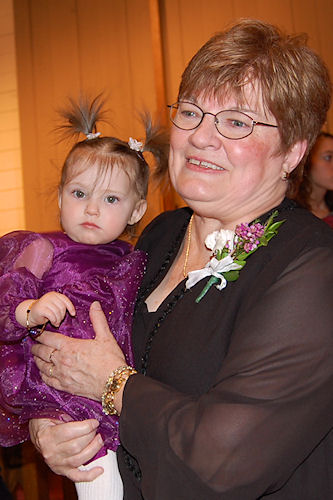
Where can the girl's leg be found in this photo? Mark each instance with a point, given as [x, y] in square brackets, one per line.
[107, 486]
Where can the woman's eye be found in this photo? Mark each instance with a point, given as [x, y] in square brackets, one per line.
[328, 157]
[189, 114]
[78, 193]
[238, 124]
[111, 199]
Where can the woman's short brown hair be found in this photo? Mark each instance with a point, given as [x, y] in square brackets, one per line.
[293, 80]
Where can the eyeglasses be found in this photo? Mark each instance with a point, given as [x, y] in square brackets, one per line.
[230, 123]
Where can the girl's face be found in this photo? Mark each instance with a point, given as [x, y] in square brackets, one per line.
[96, 209]
[231, 180]
[321, 173]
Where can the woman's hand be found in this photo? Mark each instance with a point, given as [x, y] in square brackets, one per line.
[79, 366]
[66, 446]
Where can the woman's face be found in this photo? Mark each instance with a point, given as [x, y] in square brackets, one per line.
[321, 173]
[230, 180]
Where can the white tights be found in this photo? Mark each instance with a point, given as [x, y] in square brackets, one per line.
[107, 486]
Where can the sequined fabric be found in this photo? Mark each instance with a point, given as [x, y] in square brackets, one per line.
[108, 273]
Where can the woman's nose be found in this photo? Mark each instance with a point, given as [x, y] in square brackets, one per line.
[206, 134]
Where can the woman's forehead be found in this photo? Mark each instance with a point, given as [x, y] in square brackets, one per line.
[249, 98]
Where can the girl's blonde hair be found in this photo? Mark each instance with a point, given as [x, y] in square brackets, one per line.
[81, 117]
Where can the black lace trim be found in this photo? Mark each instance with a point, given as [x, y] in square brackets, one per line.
[145, 292]
[169, 307]
[132, 465]
[130, 461]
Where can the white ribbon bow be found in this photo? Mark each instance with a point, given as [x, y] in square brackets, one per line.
[213, 268]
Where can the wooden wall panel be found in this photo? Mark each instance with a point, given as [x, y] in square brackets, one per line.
[11, 187]
[135, 51]
[315, 18]
[188, 24]
[73, 46]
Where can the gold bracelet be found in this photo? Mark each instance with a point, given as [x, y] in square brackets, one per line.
[34, 332]
[28, 312]
[114, 383]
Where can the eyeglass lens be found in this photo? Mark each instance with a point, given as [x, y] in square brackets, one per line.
[229, 123]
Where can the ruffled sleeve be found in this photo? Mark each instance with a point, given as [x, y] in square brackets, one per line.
[24, 259]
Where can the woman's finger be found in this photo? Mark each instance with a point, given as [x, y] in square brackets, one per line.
[100, 325]
[50, 339]
[43, 352]
[78, 475]
[66, 446]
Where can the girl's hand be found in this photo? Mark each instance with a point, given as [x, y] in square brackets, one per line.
[50, 307]
[79, 366]
[66, 446]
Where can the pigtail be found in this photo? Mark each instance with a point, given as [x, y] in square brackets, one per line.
[156, 142]
[81, 117]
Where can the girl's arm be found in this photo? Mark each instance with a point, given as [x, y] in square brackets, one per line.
[25, 258]
[50, 307]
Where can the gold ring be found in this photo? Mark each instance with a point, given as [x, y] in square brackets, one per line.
[50, 356]
[51, 370]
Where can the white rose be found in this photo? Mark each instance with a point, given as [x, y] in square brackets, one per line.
[217, 240]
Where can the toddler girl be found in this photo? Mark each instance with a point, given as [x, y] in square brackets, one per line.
[54, 277]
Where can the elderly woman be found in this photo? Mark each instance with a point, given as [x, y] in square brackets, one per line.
[233, 327]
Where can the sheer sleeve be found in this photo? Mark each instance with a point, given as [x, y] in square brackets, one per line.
[270, 406]
[25, 257]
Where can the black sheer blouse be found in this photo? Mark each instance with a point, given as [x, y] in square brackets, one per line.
[237, 401]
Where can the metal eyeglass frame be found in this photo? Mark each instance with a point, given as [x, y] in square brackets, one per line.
[254, 123]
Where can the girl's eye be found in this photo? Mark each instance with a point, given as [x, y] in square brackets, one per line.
[328, 157]
[78, 193]
[111, 199]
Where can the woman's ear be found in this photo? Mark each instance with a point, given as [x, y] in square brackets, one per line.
[138, 212]
[294, 156]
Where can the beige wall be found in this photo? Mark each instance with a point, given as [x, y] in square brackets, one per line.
[187, 24]
[135, 50]
[11, 186]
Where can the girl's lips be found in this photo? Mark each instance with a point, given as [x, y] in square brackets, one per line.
[90, 225]
[204, 164]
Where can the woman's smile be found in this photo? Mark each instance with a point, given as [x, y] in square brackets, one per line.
[207, 165]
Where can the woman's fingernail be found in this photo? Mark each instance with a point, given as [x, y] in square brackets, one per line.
[96, 305]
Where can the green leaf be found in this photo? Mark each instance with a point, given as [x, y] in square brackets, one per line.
[231, 275]
[270, 219]
[240, 262]
[274, 227]
[218, 254]
[241, 257]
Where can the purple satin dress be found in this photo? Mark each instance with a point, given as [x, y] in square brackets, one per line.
[31, 265]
